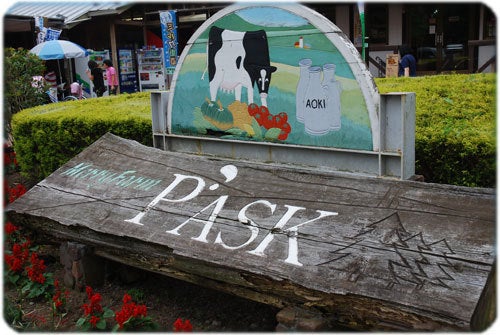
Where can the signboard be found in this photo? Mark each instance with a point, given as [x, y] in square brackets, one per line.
[406, 254]
[391, 65]
[169, 36]
[45, 33]
[274, 73]
[39, 29]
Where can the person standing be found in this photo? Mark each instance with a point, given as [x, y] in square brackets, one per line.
[408, 63]
[50, 78]
[95, 74]
[111, 76]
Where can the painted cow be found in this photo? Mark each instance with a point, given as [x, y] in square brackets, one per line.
[236, 60]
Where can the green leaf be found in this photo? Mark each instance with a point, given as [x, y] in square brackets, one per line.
[108, 313]
[26, 287]
[101, 324]
[256, 129]
[80, 322]
[14, 278]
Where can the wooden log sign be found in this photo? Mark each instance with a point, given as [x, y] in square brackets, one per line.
[368, 253]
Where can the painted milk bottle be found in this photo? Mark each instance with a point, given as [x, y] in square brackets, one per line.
[316, 117]
[304, 65]
[333, 90]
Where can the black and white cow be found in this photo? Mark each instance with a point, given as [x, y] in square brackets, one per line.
[239, 59]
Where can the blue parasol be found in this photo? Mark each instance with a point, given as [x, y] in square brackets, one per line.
[59, 49]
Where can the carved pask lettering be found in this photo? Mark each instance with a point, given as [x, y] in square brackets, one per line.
[292, 233]
[249, 223]
[230, 172]
[162, 196]
[219, 204]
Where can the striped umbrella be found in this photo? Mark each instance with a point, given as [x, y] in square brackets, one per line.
[59, 49]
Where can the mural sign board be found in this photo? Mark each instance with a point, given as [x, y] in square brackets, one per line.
[274, 73]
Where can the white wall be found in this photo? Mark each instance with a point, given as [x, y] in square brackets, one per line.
[395, 24]
[484, 54]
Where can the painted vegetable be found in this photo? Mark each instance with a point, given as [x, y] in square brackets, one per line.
[217, 114]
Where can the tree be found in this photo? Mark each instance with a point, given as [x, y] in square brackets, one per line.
[20, 92]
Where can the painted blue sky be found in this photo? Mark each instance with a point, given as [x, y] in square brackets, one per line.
[271, 17]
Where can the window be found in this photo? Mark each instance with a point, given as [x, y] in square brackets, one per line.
[490, 24]
[376, 23]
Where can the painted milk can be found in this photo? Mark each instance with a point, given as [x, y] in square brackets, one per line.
[333, 90]
[304, 65]
[316, 114]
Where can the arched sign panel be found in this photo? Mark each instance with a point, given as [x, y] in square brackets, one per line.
[274, 73]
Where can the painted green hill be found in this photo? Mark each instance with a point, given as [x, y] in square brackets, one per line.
[235, 22]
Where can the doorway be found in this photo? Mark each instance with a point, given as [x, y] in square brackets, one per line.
[439, 34]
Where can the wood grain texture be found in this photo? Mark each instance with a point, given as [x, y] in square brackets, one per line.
[369, 253]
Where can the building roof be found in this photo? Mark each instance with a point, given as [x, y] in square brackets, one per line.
[69, 12]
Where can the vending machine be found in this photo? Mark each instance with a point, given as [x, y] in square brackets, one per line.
[81, 66]
[151, 69]
[127, 74]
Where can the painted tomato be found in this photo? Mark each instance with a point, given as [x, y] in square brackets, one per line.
[280, 119]
[283, 116]
[268, 121]
[264, 111]
[286, 128]
[283, 135]
[253, 108]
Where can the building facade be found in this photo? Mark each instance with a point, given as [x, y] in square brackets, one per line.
[458, 37]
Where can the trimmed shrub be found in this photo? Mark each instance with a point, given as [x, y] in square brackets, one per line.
[455, 140]
[47, 136]
[20, 89]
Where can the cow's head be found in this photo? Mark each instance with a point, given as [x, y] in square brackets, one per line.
[262, 77]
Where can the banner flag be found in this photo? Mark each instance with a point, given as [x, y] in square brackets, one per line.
[169, 36]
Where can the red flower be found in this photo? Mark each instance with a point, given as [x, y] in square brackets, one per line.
[126, 298]
[182, 326]
[95, 302]
[140, 310]
[93, 320]
[86, 309]
[19, 256]
[16, 191]
[89, 291]
[10, 228]
[58, 299]
[129, 310]
[35, 271]
[95, 299]
[15, 264]
[58, 303]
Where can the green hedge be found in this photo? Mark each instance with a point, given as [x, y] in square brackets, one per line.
[47, 136]
[455, 140]
[455, 131]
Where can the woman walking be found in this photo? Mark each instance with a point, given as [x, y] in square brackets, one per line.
[111, 76]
